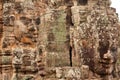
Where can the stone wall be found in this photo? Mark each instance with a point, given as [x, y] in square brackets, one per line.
[58, 40]
[1, 34]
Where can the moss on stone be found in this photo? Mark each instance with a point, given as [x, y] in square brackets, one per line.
[6, 60]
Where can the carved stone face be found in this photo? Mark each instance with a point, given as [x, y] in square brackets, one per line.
[105, 65]
[102, 63]
[102, 54]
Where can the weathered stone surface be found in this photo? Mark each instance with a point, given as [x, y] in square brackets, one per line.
[58, 40]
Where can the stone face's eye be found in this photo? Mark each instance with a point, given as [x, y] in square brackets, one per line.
[83, 2]
[37, 21]
[12, 18]
[113, 49]
[22, 18]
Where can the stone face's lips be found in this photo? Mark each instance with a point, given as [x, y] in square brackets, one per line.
[104, 67]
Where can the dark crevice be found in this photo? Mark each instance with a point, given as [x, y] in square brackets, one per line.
[70, 53]
[69, 17]
[69, 23]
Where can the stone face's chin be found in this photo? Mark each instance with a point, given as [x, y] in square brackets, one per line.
[104, 67]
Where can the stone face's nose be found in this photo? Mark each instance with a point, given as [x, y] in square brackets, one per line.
[108, 57]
